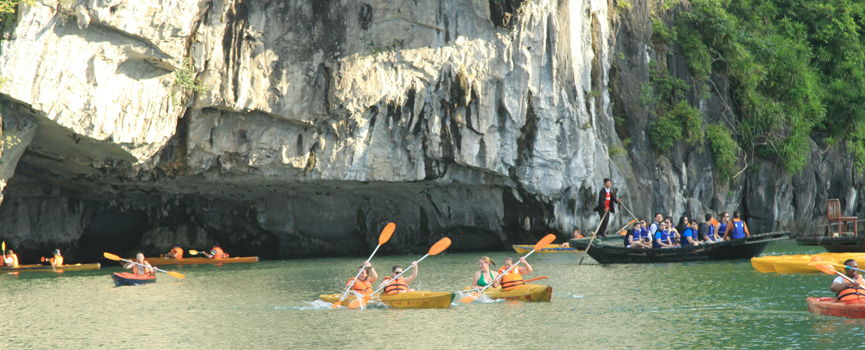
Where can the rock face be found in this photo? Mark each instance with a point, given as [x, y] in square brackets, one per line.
[300, 128]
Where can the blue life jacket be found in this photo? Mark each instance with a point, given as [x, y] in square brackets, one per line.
[688, 233]
[662, 235]
[711, 232]
[738, 229]
[644, 233]
[722, 228]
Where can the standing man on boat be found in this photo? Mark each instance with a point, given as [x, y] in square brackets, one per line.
[848, 290]
[605, 208]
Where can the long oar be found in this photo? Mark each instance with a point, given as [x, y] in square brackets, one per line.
[117, 258]
[382, 239]
[538, 246]
[436, 248]
[593, 239]
[628, 210]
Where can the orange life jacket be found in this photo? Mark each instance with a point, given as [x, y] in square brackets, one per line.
[177, 252]
[143, 269]
[14, 258]
[512, 279]
[218, 253]
[361, 286]
[398, 286]
[57, 260]
[855, 293]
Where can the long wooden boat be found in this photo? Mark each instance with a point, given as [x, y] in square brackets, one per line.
[36, 267]
[160, 261]
[407, 300]
[744, 248]
[526, 292]
[131, 279]
[845, 244]
[829, 306]
[552, 248]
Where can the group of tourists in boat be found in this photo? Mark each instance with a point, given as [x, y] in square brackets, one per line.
[395, 283]
[662, 234]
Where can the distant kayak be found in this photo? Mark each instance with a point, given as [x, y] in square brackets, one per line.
[526, 292]
[131, 279]
[72, 267]
[829, 306]
[552, 248]
[197, 260]
[407, 300]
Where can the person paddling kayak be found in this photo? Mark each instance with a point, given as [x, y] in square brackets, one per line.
[363, 284]
[138, 269]
[485, 276]
[56, 260]
[10, 259]
[216, 252]
[514, 278]
[400, 285]
[175, 253]
[845, 289]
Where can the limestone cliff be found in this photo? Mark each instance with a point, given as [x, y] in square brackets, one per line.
[300, 128]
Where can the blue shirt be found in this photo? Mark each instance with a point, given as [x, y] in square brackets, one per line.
[660, 235]
[688, 233]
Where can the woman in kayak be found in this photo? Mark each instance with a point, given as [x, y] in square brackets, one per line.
[514, 277]
[138, 269]
[363, 284]
[399, 285]
[485, 276]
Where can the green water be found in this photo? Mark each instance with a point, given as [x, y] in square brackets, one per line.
[270, 305]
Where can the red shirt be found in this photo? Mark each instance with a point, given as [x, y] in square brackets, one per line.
[607, 200]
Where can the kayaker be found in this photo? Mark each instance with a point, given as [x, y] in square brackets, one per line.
[363, 284]
[216, 252]
[737, 228]
[486, 275]
[634, 238]
[10, 259]
[400, 285]
[56, 260]
[175, 253]
[138, 269]
[514, 278]
[848, 290]
[577, 235]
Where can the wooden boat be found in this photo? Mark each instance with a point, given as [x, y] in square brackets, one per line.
[845, 244]
[36, 267]
[131, 279]
[829, 306]
[744, 248]
[407, 300]
[552, 248]
[526, 292]
[160, 261]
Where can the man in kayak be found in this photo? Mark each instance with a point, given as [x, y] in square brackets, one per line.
[216, 252]
[57, 260]
[514, 278]
[10, 259]
[175, 253]
[736, 229]
[138, 269]
[848, 290]
[485, 276]
[400, 285]
[577, 235]
[363, 284]
[605, 207]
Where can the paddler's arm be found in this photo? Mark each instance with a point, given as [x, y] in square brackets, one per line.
[527, 268]
[475, 279]
[413, 273]
[747, 234]
[498, 281]
[839, 286]
[727, 231]
[372, 274]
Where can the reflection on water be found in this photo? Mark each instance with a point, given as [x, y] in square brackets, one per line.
[274, 304]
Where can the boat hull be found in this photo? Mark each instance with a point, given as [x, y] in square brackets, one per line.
[765, 264]
[130, 279]
[72, 267]
[407, 300]
[832, 307]
[745, 248]
[552, 248]
[158, 261]
[526, 292]
[836, 244]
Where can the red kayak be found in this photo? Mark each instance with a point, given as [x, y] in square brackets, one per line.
[131, 279]
[832, 307]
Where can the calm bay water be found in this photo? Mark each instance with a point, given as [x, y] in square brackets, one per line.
[271, 305]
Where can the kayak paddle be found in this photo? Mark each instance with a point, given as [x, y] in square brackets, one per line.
[193, 252]
[117, 258]
[540, 245]
[382, 239]
[536, 278]
[593, 239]
[834, 265]
[436, 248]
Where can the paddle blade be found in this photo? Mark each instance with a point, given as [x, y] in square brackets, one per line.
[826, 268]
[108, 256]
[386, 233]
[469, 298]
[4, 247]
[356, 303]
[175, 274]
[545, 242]
[336, 304]
[440, 246]
[193, 252]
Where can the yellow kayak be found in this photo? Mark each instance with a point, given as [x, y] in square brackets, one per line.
[551, 248]
[526, 292]
[407, 300]
[765, 264]
[799, 263]
[72, 267]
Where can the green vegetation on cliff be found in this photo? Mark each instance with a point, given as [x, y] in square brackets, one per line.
[796, 67]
